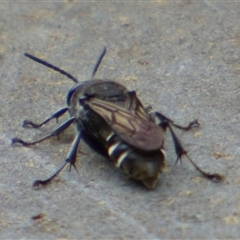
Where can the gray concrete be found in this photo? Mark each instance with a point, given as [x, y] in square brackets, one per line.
[181, 57]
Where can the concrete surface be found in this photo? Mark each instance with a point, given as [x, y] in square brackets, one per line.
[182, 57]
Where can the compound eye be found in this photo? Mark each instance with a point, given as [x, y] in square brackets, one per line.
[82, 101]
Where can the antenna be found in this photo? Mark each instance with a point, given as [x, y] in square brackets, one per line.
[51, 66]
[98, 62]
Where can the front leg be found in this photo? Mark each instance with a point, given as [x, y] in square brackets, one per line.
[57, 114]
[56, 132]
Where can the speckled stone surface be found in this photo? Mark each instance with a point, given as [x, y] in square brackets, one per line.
[183, 58]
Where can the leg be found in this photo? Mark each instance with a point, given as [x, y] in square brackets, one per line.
[164, 120]
[56, 132]
[71, 160]
[179, 150]
[57, 114]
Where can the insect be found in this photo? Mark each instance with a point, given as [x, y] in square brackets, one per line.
[113, 122]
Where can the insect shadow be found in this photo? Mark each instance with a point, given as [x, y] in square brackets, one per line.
[113, 122]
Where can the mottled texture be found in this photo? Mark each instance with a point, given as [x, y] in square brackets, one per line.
[182, 58]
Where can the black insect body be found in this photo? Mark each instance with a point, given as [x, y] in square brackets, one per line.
[133, 141]
[112, 121]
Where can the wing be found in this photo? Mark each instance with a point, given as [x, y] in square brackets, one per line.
[132, 126]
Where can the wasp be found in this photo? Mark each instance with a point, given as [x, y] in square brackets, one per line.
[113, 122]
